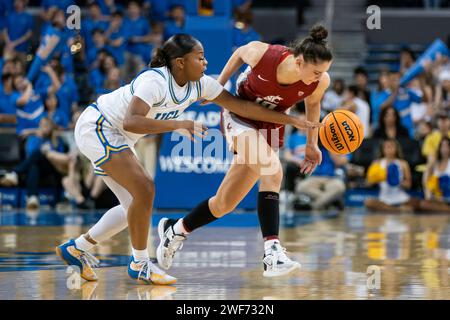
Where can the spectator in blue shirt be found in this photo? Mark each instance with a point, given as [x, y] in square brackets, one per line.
[139, 34]
[401, 99]
[112, 82]
[109, 7]
[19, 26]
[29, 104]
[94, 21]
[51, 6]
[6, 7]
[98, 75]
[117, 38]
[53, 41]
[98, 44]
[7, 105]
[59, 4]
[175, 23]
[67, 94]
[243, 31]
[158, 10]
[56, 80]
[45, 152]
[55, 113]
[377, 97]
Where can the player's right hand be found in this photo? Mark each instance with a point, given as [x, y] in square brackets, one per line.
[191, 129]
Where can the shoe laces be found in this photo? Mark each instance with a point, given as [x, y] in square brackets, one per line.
[175, 244]
[89, 259]
[147, 268]
[279, 253]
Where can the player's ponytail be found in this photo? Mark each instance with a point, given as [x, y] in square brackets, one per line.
[314, 48]
[175, 47]
[159, 59]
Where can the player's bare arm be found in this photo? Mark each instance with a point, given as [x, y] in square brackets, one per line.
[136, 121]
[254, 111]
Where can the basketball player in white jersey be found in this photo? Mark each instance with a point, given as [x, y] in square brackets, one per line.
[108, 129]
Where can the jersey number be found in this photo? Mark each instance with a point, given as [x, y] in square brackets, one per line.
[265, 103]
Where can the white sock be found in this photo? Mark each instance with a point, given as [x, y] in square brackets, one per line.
[269, 243]
[112, 222]
[140, 255]
[178, 227]
[82, 244]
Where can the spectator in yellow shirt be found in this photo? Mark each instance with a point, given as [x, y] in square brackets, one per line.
[432, 140]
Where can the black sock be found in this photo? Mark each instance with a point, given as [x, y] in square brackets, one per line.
[198, 217]
[269, 214]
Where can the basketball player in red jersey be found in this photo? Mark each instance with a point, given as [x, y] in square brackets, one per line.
[278, 77]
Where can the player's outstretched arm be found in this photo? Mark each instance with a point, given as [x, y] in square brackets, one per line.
[136, 121]
[254, 111]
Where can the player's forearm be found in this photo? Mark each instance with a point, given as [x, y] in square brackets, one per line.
[251, 110]
[233, 64]
[254, 111]
[143, 125]
[313, 115]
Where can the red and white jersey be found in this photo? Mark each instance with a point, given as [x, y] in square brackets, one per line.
[260, 84]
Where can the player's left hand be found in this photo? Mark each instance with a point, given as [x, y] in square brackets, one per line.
[313, 158]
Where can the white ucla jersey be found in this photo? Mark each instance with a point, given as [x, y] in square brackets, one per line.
[158, 88]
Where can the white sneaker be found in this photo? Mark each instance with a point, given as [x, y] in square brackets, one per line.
[169, 243]
[145, 272]
[10, 179]
[32, 202]
[276, 263]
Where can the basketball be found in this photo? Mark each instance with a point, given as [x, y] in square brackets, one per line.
[343, 132]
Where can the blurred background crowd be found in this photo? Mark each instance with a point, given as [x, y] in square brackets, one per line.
[405, 154]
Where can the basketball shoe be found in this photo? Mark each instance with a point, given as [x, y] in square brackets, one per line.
[145, 272]
[276, 262]
[84, 260]
[170, 242]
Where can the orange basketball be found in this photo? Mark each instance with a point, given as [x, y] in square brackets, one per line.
[343, 132]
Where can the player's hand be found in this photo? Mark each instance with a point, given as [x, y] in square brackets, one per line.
[305, 124]
[191, 129]
[313, 158]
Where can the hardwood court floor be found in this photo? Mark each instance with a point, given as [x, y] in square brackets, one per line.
[223, 261]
